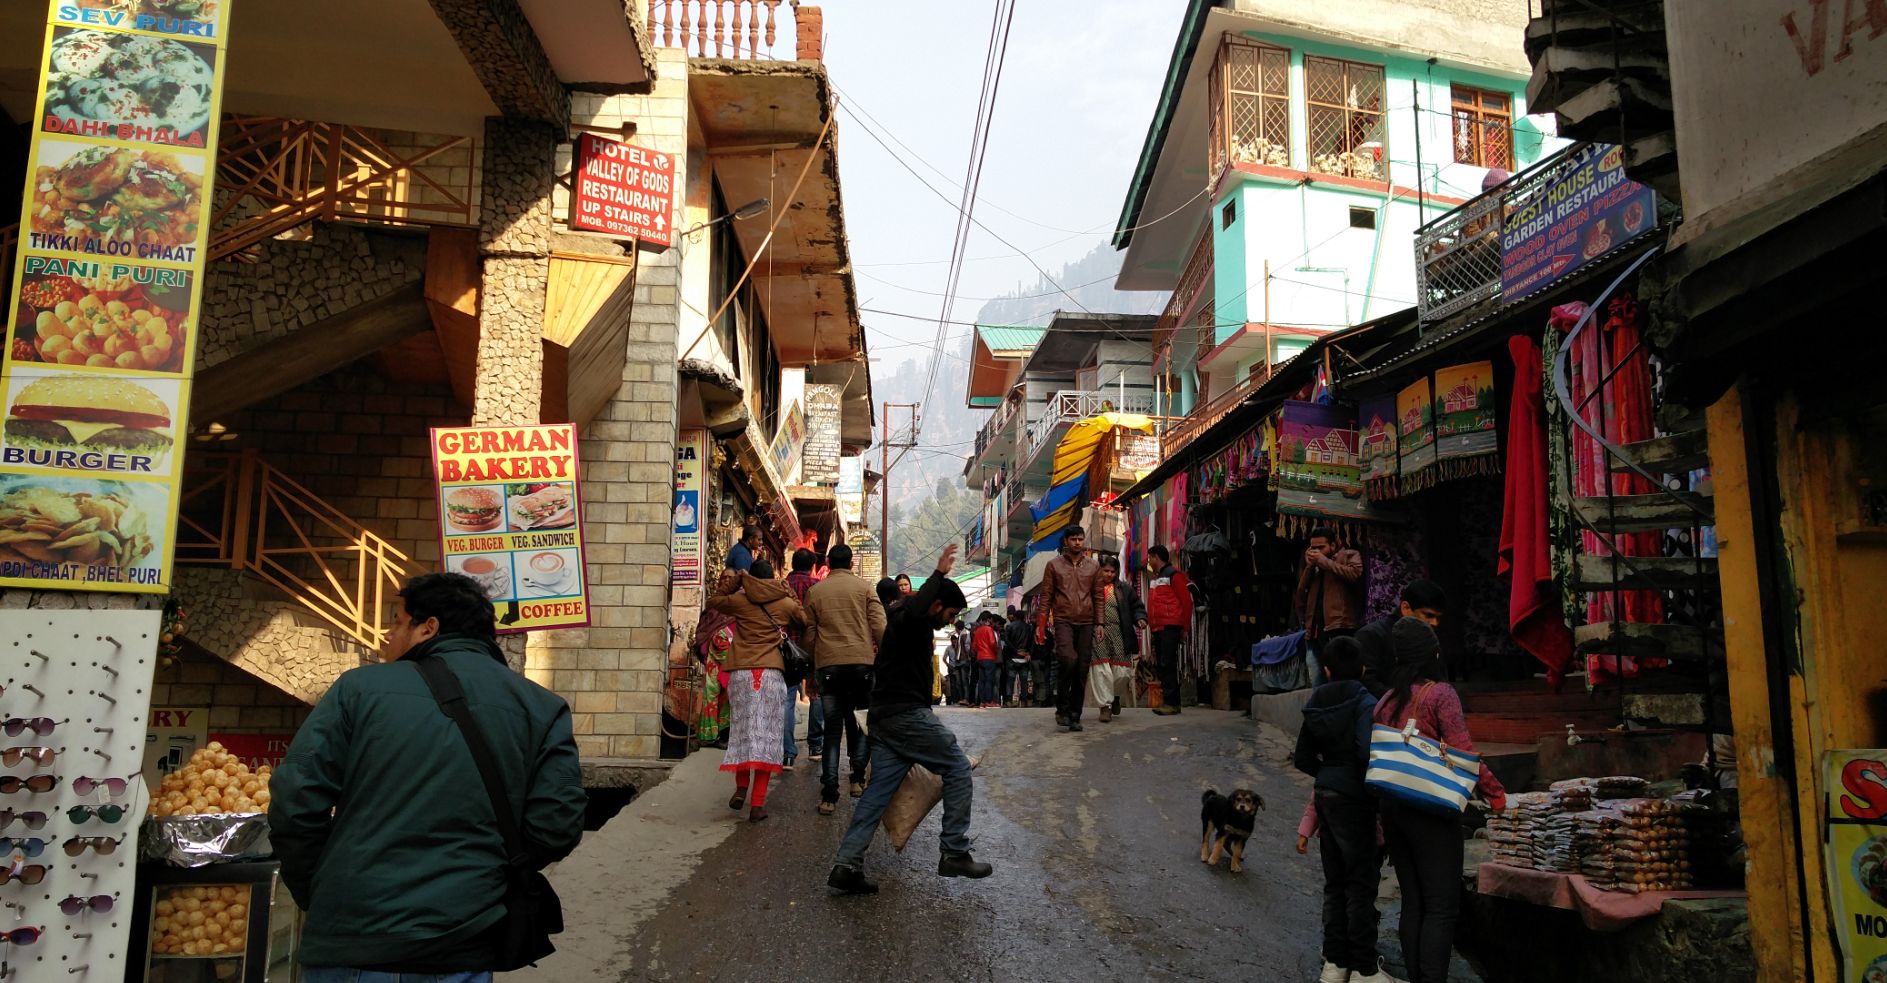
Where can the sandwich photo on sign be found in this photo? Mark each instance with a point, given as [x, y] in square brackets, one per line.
[474, 508]
[90, 422]
[542, 506]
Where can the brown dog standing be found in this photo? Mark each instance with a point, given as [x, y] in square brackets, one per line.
[1226, 822]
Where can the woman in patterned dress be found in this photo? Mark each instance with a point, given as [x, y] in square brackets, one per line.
[762, 608]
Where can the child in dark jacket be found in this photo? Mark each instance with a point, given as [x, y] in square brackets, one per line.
[1333, 747]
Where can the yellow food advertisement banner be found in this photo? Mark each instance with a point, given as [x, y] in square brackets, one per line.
[105, 295]
[1855, 845]
[510, 517]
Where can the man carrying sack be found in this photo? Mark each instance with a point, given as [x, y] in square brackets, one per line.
[905, 732]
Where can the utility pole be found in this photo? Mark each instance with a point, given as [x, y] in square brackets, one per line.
[905, 443]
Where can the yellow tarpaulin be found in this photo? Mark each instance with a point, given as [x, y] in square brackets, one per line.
[1074, 457]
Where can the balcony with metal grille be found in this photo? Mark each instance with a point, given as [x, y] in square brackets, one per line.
[1251, 105]
[1457, 256]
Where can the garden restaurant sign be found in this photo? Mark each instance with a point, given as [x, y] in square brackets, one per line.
[107, 294]
[509, 518]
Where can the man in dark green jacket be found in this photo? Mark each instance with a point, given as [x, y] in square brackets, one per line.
[378, 815]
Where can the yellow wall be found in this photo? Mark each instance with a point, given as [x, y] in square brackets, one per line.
[1834, 565]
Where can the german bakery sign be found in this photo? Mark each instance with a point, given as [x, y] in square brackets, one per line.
[623, 190]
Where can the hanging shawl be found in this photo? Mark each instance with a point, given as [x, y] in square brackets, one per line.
[1465, 440]
[1533, 610]
[1562, 533]
[1376, 427]
[1319, 481]
[1415, 436]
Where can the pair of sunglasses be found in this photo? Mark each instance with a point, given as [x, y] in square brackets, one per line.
[102, 845]
[32, 846]
[86, 786]
[32, 820]
[14, 755]
[42, 726]
[26, 874]
[22, 936]
[38, 783]
[79, 814]
[73, 905]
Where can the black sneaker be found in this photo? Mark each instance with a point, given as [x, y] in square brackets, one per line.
[1075, 726]
[1061, 720]
[850, 880]
[1115, 706]
[962, 865]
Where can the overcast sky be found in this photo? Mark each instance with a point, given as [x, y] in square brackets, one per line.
[1078, 89]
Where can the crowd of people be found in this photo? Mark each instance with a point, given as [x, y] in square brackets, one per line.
[874, 649]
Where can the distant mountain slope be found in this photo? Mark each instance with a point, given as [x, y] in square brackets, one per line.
[948, 428]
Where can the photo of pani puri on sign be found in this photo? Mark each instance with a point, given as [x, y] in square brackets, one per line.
[97, 524]
[75, 421]
[474, 508]
[115, 202]
[102, 314]
[129, 87]
[542, 506]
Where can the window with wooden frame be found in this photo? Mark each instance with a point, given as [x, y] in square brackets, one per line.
[1251, 105]
[1344, 108]
[1483, 127]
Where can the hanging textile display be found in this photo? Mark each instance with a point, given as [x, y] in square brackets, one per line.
[1533, 606]
[1466, 443]
[1415, 436]
[1242, 461]
[1562, 534]
[1376, 428]
[1319, 481]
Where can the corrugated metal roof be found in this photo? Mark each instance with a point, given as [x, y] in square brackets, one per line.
[1002, 338]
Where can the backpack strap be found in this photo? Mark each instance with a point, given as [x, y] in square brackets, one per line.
[450, 696]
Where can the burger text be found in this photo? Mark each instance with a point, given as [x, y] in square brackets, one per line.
[75, 460]
[502, 468]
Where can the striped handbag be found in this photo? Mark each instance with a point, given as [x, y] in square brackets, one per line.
[1420, 772]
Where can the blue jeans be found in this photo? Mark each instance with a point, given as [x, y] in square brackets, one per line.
[334, 974]
[986, 673]
[816, 727]
[914, 737]
[843, 690]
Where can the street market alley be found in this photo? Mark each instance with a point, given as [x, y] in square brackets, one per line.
[1094, 837]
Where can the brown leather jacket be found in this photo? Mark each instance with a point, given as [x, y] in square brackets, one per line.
[756, 641]
[847, 622]
[1072, 592]
[1341, 576]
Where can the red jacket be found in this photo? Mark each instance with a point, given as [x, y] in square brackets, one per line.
[1169, 599]
[988, 647]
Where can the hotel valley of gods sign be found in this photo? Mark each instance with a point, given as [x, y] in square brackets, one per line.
[106, 304]
[509, 518]
[623, 190]
[691, 459]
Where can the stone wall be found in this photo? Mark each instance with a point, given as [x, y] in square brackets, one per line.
[295, 283]
[612, 673]
[514, 242]
[238, 702]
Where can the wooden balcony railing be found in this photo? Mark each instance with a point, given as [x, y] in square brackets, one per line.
[1192, 295]
[273, 175]
[744, 29]
[240, 512]
[1250, 105]
[1202, 418]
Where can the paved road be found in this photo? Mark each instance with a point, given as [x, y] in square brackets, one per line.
[1094, 837]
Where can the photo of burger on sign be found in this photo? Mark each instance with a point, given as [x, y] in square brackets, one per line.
[75, 421]
[510, 519]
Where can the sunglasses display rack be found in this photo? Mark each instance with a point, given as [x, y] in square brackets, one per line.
[75, 692]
